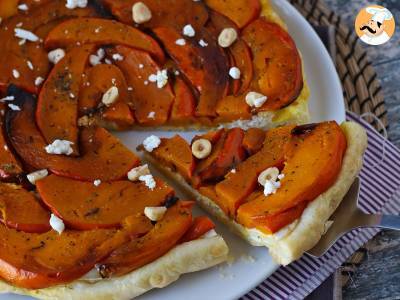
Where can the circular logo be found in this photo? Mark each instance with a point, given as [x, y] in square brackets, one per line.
[375, 25]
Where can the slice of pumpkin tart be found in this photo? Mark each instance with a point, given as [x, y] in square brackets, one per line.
[275, 188]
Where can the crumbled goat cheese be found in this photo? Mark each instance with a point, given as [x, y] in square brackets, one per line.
[14, 107]
[38, 81]
[255, 99]
[161, 78]
[37, 175]
[97, 182]
[270, 187]
[141, 66]
[233, 171]
[155, 213]
[135, 173]
[29, 63]
[57, 224]
[23, 6]
[281, 176]
[151, 143]
[56, 55]
[107, 61]
[234, 72]
[5, 147]
[96, 59]
[15, 73]
[25, 35]
[110, 96]
[203, 43]
[148, 181]
[130, 88]
[7, 98]
[71, 4]
[188, 30]
[60, 147]
[180, 42]
[21, 42]
[151, 115]
[117, 57]
[141, 13]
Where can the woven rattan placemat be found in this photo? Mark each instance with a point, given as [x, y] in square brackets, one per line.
[361, 89]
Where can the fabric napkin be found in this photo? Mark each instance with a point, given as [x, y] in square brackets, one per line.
[379, 192]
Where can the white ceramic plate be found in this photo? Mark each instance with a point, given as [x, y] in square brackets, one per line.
[243, 274]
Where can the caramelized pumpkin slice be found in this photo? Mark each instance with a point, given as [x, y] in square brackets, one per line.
[211, 78]
[201, 225]
[242, 12]
[35, 261]
[253, 140]
[98, 81]
[14, 56]
[19, 209]
[102, 32]
[103, 156]
[312, 167]
[232, 108]
[57, 108]
[152, 104]
[84, 206]
[177, 154]
[8, 8]
[164, 236]
[9, 165]
[184, 106]
[234, 189]
[168, 13]
[277, 63]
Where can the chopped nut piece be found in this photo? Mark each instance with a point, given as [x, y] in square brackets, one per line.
[267, 175]
[155, 213]
[110, 96]
[140, 13]
[35, 176]
[201, 148]
[135, 173]
[188, 30]
[56, 55]
[255, 99]
[57, 224]
[227, 37]
[234, 72]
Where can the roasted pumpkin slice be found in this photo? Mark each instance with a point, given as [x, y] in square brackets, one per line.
[164, 236]
[102, 155]
[184, 106]
[175, 152]
[19, 209]
[102, 32]
[242, 12]
[253, 140]
[35, 261]
[14, 57]
[201, 225]
[232, 108]
[8, 8]
[313, 165]
[277, 63]
[237, 186]
[152, 101]
[57, 108]
[168, 13]
[84, 206]
[211, 78]
[98, 81]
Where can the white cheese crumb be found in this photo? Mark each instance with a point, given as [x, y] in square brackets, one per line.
[117, 57]
[227, 37]
[97, 182]
[148, 181]
[107, 61]
[21, 42]
[60, 147]
[25, 35]
[14, 107]
[151, 115]
[135, 173]
[71, 4]
[130, 88]
[146, 82]
[281, 176]
[234, 72]
[161, 78]
[180, 42]
[188, 30]
[203, 43]
[23, 6]
[15, 73]
[38, 81]
[56, 55]
[37, 175]
[110, 96]
[151, 143]
[255, 99]
[7, 98]
[177, 72]
[233, 171]
[141, 66]
[5, 147]
[141, 13]
[57, 224]
[29, 63]
[155, 213]
[96, 59]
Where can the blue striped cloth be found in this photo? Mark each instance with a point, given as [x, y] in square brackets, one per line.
[380, 192]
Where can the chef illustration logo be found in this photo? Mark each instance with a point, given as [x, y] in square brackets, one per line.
[375, 25]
